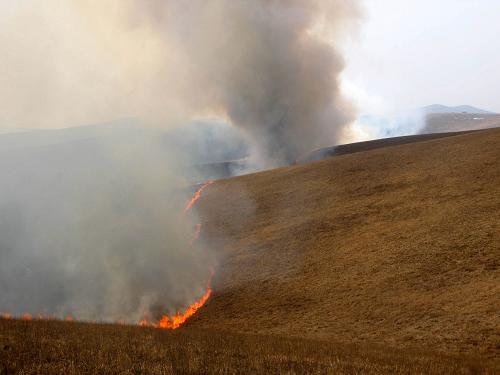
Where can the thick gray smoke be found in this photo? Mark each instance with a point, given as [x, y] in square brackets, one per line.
[92, 227]
[263, 65]
[268, 66]
[95, 228]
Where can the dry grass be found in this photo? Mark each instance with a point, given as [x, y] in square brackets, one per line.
[76, 348]
[351, 148]
[398, 246]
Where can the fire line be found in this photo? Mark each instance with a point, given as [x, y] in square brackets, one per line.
[166, 321]
[175, 321]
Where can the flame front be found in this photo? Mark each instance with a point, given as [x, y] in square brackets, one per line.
[28, 317]
[197, 195]
[175, 321]
[166, 321]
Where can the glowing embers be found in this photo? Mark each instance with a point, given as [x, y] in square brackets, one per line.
[29, 317]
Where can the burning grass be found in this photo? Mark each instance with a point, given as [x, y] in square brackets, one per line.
[166, 321]
[55, 347]
[395, 247]
[175, 321]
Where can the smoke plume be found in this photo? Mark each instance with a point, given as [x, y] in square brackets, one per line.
[91, 227]
[265, 65]
[265, 68]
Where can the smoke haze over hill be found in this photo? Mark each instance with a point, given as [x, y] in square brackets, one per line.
[260, 64]
[90, 227]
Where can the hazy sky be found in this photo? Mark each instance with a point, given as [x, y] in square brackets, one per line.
[412, 53]
[406, 54]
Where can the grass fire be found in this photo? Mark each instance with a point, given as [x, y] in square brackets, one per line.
[175, 321]
[249, 186]
[166, 321]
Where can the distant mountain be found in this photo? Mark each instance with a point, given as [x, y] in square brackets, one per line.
[439, 108]
[208, 149]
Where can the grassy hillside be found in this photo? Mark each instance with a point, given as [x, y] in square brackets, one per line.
[383, 261]
[45, 347]
[398, 246]
[351, 148]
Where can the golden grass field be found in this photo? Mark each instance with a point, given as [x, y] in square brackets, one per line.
[398, 246]
[384, 261]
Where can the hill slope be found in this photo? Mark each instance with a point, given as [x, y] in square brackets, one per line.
[398, 246]
[452, 122]
[439, 108]
[351, 148]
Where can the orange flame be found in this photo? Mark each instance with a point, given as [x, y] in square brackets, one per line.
[197, 195]
[178, 319]
[175, 321]
[27, 316]
[197, 232]
[6, 316]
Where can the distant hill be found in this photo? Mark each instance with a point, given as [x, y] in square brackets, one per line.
[452, 122]
[207, 146]
[439, 108]
[12, 139]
